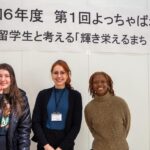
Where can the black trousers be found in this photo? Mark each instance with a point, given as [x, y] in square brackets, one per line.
[3, 143]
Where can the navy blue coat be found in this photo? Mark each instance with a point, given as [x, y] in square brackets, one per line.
[20, 128]
[73, 121]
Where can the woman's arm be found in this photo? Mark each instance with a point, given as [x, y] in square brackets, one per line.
[24, 127]
[39, 135]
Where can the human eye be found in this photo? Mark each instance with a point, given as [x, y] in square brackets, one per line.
[95, 82]
[55, 72]
[7, 76]
[99, 82]
[103, 82]
[59, 72]
[62, 72]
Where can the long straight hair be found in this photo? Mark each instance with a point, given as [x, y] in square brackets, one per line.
[15, 97]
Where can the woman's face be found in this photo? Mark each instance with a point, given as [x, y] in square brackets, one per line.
[5, 80]
[59, 76]
[100, 85]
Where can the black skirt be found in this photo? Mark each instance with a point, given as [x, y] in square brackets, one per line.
[54, 138]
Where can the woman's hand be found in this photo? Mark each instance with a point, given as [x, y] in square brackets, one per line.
[58, 148]
[48, 147]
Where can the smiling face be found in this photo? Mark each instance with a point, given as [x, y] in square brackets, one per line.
[59, 76]
[5, 80]
[100, 85]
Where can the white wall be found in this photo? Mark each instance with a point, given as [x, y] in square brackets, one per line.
[128, 66]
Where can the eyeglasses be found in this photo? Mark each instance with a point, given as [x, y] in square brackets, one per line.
[59, 73]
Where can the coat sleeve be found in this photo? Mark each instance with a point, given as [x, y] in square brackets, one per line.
[39, 135]
[1, 96]
[24, 127]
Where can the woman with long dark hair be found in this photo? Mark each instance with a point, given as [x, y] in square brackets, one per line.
[15, 118]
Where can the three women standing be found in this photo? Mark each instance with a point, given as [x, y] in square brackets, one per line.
[57, 113]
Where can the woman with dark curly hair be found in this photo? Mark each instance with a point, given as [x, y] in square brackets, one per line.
[107, 115]
[15, 118]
